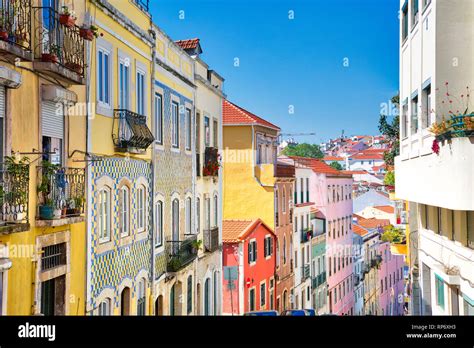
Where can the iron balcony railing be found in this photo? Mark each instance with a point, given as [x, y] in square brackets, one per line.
[144, 4]
[130, 131]
[14, 189]
[305, 272]
[61, 192]
[211, 239]
[15, 22]
[211, 162]
[181, 253]
[56, 42]
[319, 280]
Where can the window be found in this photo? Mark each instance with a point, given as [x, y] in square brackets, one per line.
[268, 246]
[252, 299]
[216, 211]
[215, 292]
[307, 190]
[103, 72]
[404, 121]
[439, 291]
[175, 219]
[301, 190]
[140, 92]
[470, 228]
[141, 301]
[207, 132]
[284, 250]
[104, 215]
[159, 118]
[104, 307]
[175, 124]
[414, 12]
[283, 205]
[188, 215]
[262, 295]
[414, 115]
[405, 20]
[198, 215]
[141, 210]
[215, 134]
[124, 83]
[188, 129]
[427, 117]
[125, 211]
[252, 251]
[189, 308]
[159, 224]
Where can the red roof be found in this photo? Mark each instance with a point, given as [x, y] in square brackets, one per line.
[385, 208]
[317, 165]
[359, 230]
[371, 223]
[333, 158]
[364, 156]
[188, 44]
[235, 115]
[235, 231]
[355, 172]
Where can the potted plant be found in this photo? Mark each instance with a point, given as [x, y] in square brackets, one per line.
[46, 209]
[76, 67]
[17, 195]
[89, 33]
[174, 264]
[53, 55]
[196, 245]
[67, 17]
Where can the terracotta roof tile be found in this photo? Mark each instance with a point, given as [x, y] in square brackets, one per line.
[359, 230]
[371, 223]
[367, 156]
[235, 231]
[386, 208]
[333, 158]
[188, 44]
[235, 115]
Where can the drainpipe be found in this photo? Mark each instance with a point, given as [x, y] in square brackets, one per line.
[152, 91]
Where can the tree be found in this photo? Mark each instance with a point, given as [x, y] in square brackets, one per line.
[303, 150]
[336, 165]
[389, 178]
[391, 130]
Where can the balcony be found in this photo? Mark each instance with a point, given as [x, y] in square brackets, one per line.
[143, 4]
[181, 253]
[61, 195]
[211, 163]
[211, 239]
[14, 188]
[451, 167]
[306, 235]
[375, 263]
[305, 272]
[15, 29]
[130, 132]
[59, 49]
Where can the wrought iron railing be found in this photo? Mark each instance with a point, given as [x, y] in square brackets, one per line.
[14, 188]
[15, 22]
[61, 192]
[211, 239]
[211, 162]
[319, 280]
[181, 253]
[305, 272]
[144, 4]
[129, 130]
[56, 42]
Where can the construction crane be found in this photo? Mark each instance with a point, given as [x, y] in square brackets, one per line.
[293, 135]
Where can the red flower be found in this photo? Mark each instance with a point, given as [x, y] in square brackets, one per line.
[435, 147]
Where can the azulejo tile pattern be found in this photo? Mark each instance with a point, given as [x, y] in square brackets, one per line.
[110, 268]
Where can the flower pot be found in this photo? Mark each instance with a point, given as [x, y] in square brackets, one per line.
[57, 213]
[72, 212]
[64, 212]
[67, 20]
[3, 35]
[74, 67]
[86, 34]
[46, 212]
[48, 57]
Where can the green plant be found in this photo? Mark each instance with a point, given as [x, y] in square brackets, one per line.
[67, 12]
[17, 170]
[336, 165]
[196, 244]
[55, 50]
[48, 169]
[393, 235]
[303, 150]
[78, 202]
[174, 264]
[389, 178]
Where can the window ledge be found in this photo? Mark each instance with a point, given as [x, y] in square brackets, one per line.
[60, 222]
[12, 227]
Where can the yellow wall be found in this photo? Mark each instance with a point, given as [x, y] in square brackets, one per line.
[244, 197]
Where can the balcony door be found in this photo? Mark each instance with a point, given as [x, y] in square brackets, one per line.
[208, 213]
[49, 36]
[2, 123]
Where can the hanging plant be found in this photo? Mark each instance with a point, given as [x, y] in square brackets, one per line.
[435, 146]
[67, 18]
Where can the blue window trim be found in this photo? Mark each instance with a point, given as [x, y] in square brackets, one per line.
[426, 83]
[414, 94]
[405, 6]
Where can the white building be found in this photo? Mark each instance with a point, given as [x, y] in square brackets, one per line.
[436, 46]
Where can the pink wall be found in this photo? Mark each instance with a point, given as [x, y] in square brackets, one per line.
[230, 258]
[341, 282]
[391, 268]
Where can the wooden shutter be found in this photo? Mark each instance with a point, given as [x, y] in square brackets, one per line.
[2, 121]
[52, 119]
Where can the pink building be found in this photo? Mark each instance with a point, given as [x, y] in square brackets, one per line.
[391, 284]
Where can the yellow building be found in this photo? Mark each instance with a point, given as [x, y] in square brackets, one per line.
[119, 177]
[250, 154]
[43, 142]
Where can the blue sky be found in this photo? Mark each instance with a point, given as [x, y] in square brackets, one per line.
[298, 61]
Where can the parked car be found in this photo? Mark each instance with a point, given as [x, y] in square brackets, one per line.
[261, 314]
[311, 312]
[295, 313]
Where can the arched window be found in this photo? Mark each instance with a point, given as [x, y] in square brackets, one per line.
[198, 215]
[159, 224]
[215, 292]
[190, 295]
[188, 215]
[141, 301]
[141, 208]
[207, 297]
[104, 214]
[175, 221]
[284, 250]
[216, 211]
[283, 201]
[124, 211]
[105, 307]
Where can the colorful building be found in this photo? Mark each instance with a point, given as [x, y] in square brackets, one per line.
[42, 186]
[248, 266]
[319, 286]
[392, 288]
[120, 179]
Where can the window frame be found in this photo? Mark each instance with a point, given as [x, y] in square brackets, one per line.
[141, 208]
[175, 124]
[158, 118]
[188, 117]
[104, 215]
[159, 223]
[124, 203]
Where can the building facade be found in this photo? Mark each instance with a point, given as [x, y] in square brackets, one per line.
[436, 145]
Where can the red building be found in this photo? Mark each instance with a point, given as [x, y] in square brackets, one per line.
[249, 266]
